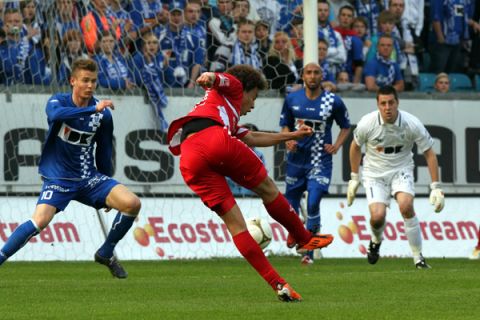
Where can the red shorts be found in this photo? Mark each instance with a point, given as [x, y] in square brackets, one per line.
[209, 156]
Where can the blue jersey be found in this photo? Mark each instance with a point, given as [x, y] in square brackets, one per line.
[354, 47]
[74, 133]
[320, 114]
[386, 73]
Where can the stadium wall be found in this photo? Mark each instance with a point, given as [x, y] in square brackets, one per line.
[142, 160]
[181, 228]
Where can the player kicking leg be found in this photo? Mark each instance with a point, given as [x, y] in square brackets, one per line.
[205, 175]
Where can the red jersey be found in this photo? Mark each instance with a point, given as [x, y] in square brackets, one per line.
[221, 103]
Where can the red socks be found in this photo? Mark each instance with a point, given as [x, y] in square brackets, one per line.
[280, 210]
[254, 255]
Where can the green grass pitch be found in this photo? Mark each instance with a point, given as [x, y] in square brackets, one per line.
[230, 289]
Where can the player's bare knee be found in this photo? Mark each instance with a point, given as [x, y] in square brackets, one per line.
[406, 209]
[267, 190]
[132, 205]
[377, 224]
[407, 212]
[377, 218]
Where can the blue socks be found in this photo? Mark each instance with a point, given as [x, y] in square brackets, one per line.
[120, 226]
[22, 234]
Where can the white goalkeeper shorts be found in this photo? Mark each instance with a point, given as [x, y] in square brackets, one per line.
[382, 189]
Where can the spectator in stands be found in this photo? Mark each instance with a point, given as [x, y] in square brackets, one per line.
[262, 30]
[66, 17]
[269, 11]
[442, 83]
[241, 10]
[413, 20]
[30, 24]
[296, 34]
[206, 11]
[474, 22]
[414, 17]
[343, 83]
[244, 50]
[194, 24]
[382, 71]
[149, 68]
[291, 10]
[121, 18]
[370, 10]
[335, 6]
[450, 30]
[328, 73]
[343, 78]
[181, 49]
[353, 44]
[220, 31]
[96, 22]
[337, 55]
[71, 49]
[20, 60]
[360, 26]
[386, 23]
[280, 68]
[406, 56]
[113, 71]
[148, 15]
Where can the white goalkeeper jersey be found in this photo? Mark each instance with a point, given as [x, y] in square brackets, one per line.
[389, 146]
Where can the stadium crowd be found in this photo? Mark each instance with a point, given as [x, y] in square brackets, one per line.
[158, 44]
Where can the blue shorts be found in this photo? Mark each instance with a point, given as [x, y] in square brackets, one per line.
[92, 192]
[299, 179]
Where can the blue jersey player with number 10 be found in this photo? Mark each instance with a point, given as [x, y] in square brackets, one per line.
[79, 125]
[309, 160]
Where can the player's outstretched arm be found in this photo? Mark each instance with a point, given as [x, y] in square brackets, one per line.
[267, 139]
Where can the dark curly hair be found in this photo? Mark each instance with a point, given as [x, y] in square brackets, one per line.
[250, 77]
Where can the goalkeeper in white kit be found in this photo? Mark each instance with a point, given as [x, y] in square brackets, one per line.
[389, 136]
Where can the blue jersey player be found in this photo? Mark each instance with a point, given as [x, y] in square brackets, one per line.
[79, 126]
[309, 160]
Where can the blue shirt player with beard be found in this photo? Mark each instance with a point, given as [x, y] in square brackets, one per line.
[79, 126]
[309, 160]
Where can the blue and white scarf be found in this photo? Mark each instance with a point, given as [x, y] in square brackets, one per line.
[249, 56]
[328, 33]
[116, 69]
[370, 11]
[389, 78]
[152, 80]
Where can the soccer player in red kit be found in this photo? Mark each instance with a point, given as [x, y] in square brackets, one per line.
[213, 146]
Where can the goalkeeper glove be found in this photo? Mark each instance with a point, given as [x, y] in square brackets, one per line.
[353, 185]
[437, 199]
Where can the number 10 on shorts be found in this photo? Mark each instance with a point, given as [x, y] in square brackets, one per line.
[47, 195]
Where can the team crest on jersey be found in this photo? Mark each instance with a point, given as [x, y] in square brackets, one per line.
[95, 120]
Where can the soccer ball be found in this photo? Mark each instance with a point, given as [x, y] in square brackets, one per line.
[260, 231]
